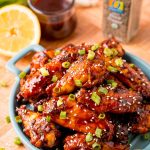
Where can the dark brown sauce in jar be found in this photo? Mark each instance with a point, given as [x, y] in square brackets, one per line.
[57, 17]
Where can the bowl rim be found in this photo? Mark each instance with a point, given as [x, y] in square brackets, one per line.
[15, 87]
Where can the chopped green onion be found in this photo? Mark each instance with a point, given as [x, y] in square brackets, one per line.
[3, 84]
[102, 90]
[49, 60]
[115, 52]
[18, 119]
[112, 69]
[40, 108]
[89, 137]
[81, 52]
[63, 115]
[98, 132]
[96, 146]
[113, 83]
[71, 97]
[132, 65]
[108, 52]
[101, 116]
[8, 119]
[17, 141]
[66, 64]
[44, 72]
[48, 119]
[95, 98]
[119, 62]
[57, 90]
[91, 55]
[95, 47]
[59, 102]
[54, 78]
[147, 136]
[78, 83]
[57, 52]
[22, 75]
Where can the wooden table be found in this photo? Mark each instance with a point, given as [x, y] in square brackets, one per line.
[88, 30]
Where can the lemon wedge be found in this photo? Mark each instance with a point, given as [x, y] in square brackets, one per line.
[19, 28]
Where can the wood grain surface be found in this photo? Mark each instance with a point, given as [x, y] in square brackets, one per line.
[88, 30]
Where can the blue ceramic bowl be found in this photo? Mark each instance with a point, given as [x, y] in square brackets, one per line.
[137, 142]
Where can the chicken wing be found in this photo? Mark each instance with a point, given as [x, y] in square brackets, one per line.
[88, 73]
[35, 83]
[142, 124]
[78, 142]
[133, 77]
[117, 99]
[76, 117]
[38, 128]
[40, 59]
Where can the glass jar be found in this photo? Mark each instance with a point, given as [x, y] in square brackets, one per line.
[57, 17]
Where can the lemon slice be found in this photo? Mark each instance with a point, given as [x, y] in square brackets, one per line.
[19, 28]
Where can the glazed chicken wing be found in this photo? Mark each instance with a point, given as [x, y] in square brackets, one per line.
[133, 77]
[78, 142]
[114, 97]
[76, 117]
[38, 128]
[40, 59]
[143, 120]
[35, 84]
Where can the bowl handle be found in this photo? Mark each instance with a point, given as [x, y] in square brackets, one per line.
[11, 63]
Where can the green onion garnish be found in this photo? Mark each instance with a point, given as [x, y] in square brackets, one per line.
[132, 65]
[56, 90]
[44, 72]
[48, 119]
[119, 62]
[98, 132]
[78, 83]
[91, 55]
[66, 64]
[101, 116]
[57, 52]
[71, 97]
[8, 119]
[102, 90]
[147, 136]
[63, 115]
[59, 102]
[112, 69]
[17, 141]
[96, 146]
[95, 98]
[49, 60]
[81, 52]
[3, 84]
[18, 119]
[112, 83]
[22, 75]
[54, 78]
[108, 52]
[40, 108]
[95, 47]
[115, 52]
[89, 137]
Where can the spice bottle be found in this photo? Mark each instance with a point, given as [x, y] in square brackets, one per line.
[121, 18]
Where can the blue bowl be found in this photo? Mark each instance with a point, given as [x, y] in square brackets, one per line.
[137, 142]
